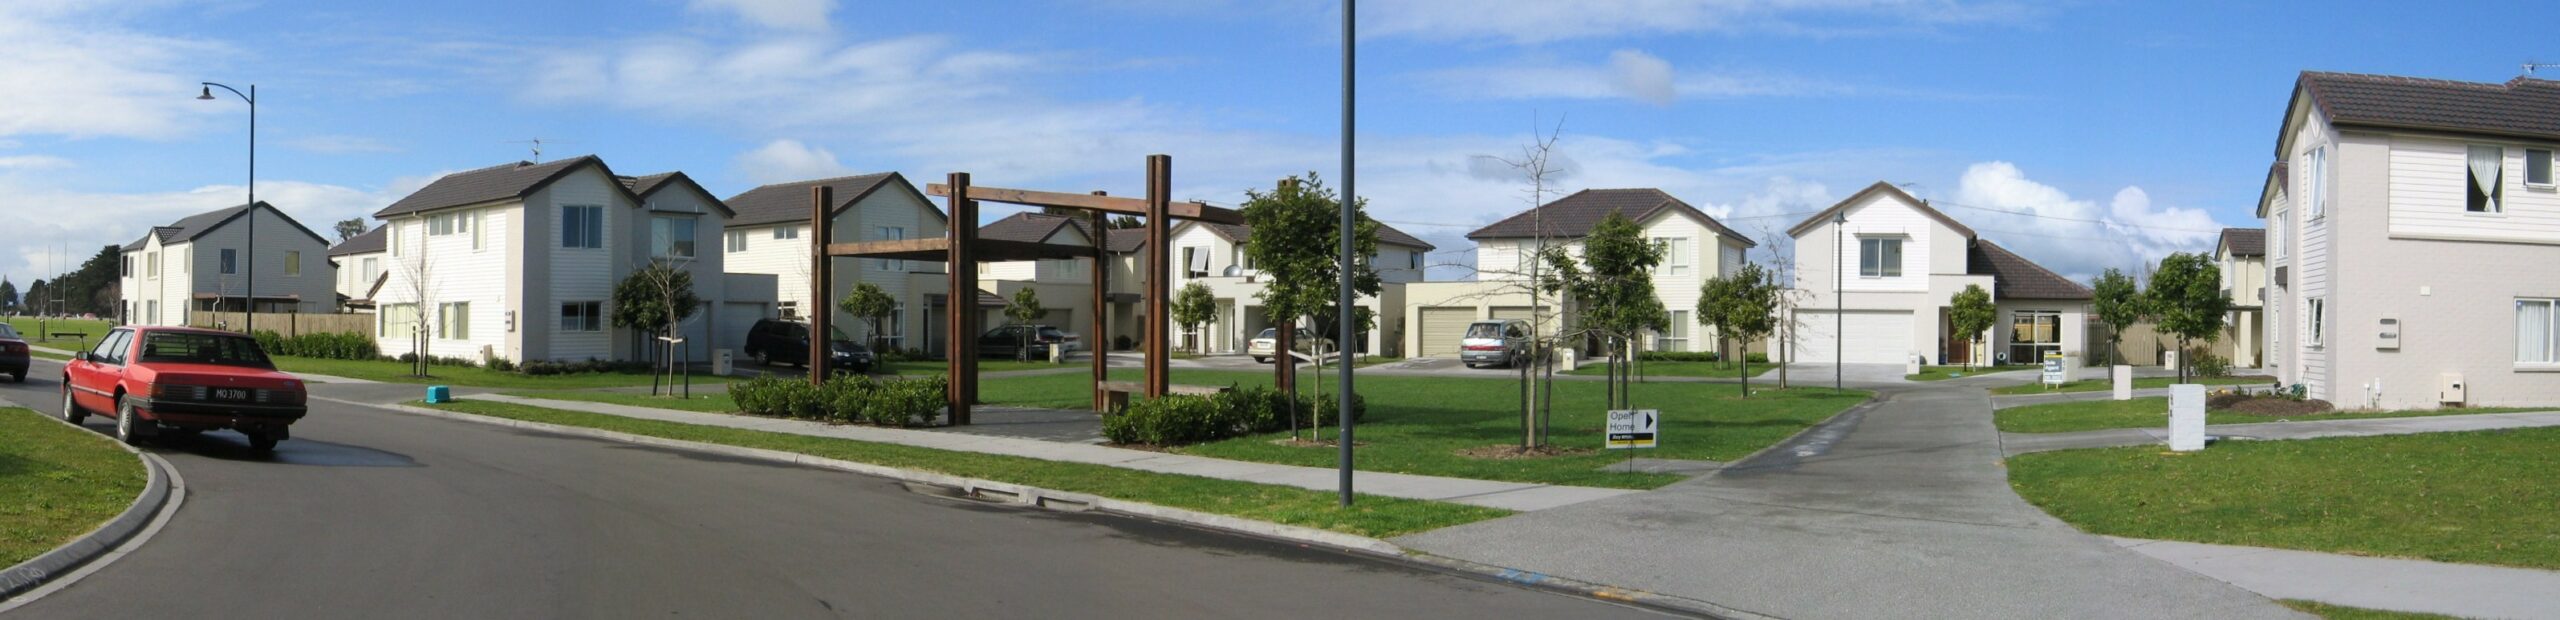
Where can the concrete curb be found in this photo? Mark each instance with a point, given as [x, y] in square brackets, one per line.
[1061, 500]
[156, 495]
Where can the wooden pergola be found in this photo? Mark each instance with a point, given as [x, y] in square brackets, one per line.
[962, 250]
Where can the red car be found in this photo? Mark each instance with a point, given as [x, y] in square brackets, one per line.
[182, 381]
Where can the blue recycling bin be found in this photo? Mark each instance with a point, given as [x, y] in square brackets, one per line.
[437, 395]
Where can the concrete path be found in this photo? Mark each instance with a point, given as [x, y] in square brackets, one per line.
[1896, 510]
[1507, 495]
[2022, 443]
[2464, 590]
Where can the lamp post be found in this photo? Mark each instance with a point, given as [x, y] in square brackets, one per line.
[1839, 305]
[1343, 308]
[249, 255]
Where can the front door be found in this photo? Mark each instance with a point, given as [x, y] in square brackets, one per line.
[1957, 351]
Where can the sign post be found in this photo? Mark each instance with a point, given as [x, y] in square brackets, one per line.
[2055, 374]
[1633, 429]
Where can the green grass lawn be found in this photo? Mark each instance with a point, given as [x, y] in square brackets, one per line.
[2483, 497]
[2153, 412]
[50, 356]
[57, 482]
[398, 372]
[1716, 370]
[1942, 373]
[705, 402]
[1419, 425]
[90, 330]
[935, 367]
[2101, 385]
[2341, 612]
[1374, 516]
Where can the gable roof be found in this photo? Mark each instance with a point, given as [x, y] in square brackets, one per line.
[2523, 107]
[500, 182]
[2244, 241]
[644, 185]
[369, 242]
[192, 227]
[789, 202]
[1575, 214]
[2015, 277]
[1030, 227]
[1879, 187]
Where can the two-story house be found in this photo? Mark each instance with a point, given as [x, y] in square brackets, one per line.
[360, 263]
[770, 236]
[1877, 274]
[1214, 256]
[519, 261]
[2241, 254]
[201, 263]
[1695, 248]
[2411, 229]
[1064, 286]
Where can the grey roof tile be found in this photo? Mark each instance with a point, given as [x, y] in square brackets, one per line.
[369, 242]
[789, 202]
[1574, 215]
[2015, 277]
[2245, 241]
[499, 182]
[2522, 107]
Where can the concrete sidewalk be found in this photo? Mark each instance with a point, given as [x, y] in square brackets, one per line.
[1506, 495]
[2465, 590]
[2012, 444]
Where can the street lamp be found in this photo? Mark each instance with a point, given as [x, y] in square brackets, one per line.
[1839, 305]
[249, 309]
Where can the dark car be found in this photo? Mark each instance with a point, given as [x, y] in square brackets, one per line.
[788, 341]
[1011, 340]
[13, 354]
[183, 380]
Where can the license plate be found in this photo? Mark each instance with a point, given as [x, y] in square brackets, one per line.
[231, 395]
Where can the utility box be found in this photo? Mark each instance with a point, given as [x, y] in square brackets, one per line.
[1911, 365]
[2186, 417]
[720, 362]
[1057, 353]
[2169, 358]
[1567, 360]
[2388, 339]
[2449, 389]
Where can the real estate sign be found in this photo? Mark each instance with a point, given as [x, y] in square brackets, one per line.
[2054, 373]
[1632, 428]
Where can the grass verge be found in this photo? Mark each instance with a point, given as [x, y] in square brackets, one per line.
[2481, 497]
[57, 482]
[2101, 385]
[89, 330]
[935, 367]
[1712, 370]
[702, 402]
[398, 372]
[2153, 412]
[1942, 373]
[2342, 612]
[1373, 516]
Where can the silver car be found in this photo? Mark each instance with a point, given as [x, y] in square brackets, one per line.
[1503, 343]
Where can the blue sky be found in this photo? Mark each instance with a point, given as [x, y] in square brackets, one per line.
[2134, 128]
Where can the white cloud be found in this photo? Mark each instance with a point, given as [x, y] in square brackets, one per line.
[774, 14]
[787, 160]
[2077, 238]
[77, 75]
[1642, 76]
[40, 216]
[1628, 74]
[1540, 22]
[32, 162]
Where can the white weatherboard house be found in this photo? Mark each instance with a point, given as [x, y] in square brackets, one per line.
[1214, 256]
[1899, 263]
[360, 263]
[2242, 256]
[770, 237]
[1063, 285]
[1695, 246]
[519, 261]
[2413, 229]
[201, 263]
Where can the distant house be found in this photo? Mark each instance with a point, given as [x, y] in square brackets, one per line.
[1214, 255]
[201, 263]
[1898, 265]
[360, 261]
[2412, 225]
[2242, 255]
[1696, 248]
[519, 262]
[770, 236]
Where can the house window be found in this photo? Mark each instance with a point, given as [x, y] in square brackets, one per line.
[439, 225]
[790, 310]
[397, 319]
[891, 233]
[2275, 237]
[737, 241]
[581, 227]
[1674, 337]
[293, 264]
[124, 267]
[2316, 316]
[1879, 257]
[151, 263]
[479, 233]
[1059, 267]
[2537, 167]
[453, 321]
[582, 316]
[1675, 255]
[1731, 261]
[2534, 332]
[154, 314]
[2319, 183]
[786, 232]
[2487, 166]
[372, 270]
[230, 261]
[2033, 333]
[1195, 262]
[1413, 261]
[671, 237]
[894, 335]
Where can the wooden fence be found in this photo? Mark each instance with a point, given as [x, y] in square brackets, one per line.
[287, 324]
[2144, 344]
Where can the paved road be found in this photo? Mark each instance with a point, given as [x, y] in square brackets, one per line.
[374, 514]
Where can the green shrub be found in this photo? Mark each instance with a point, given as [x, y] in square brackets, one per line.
[1677, 356]
[335, 346]
[2210, 365]
[545, 368]
[1171, 420]
[760, 396]
[1756, 358]
[436, 360]
[844, 399]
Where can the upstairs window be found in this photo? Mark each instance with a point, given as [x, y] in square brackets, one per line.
[293, 263]
[1879, 257]
[2319, 182]
[786, 232]
[1675, 254]
[671, 237]
[892, 233]
[2315, 316]
[2537, 167]
[737, 241]
[581, 227]
[230, 261]
[2487, 167]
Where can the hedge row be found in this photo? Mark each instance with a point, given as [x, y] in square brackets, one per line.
[337, 346]
[1177, 419]
[844, 399]
[1696, 356]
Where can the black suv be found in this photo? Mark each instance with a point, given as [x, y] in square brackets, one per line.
[776, 339]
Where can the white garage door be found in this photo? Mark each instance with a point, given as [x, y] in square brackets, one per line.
[1874, 337]
[732, 323]
[1442, 328]
[1524, 313]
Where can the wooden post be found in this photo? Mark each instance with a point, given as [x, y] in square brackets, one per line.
[1099, 338]
[1159, 271]
[821, 274]
[962, 302]
[1284, 344]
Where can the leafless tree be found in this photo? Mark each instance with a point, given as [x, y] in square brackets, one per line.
[1791, 295]
[416, 277]
[1535, 165]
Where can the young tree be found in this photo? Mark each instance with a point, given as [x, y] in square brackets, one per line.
[1972, 315]
[2186, 297]
[1745, 306]
[656, 299]
[350, 227]
[869, 303]
[1535, 166]
[1126, 222]
[1297, 232]
[1023, 309]
[2119, 305]
[1192, 306]
[1613, 285]
[8, 295]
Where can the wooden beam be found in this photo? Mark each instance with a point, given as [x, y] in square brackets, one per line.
[938, 249]
[1089, 202]
[1159, 273]
[820, 338]
[1098, 339]
[961, 301]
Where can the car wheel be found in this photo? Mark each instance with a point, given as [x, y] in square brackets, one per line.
[71, 410]
[761, 358]
[259, 441]
[19, 377]
[126, 420]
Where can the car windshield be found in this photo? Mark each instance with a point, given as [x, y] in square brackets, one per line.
[1484, 330]
[8, 332]
[193, 348]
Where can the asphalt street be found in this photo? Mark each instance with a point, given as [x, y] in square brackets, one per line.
[375, 514]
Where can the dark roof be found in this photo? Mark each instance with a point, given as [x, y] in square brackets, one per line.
[1880, 186]
[644, 185]
[1238, 233]
[1574, 215]
[367, 243]
[2015, 277]
[192, 227]
[2522, 107]
[2244, 241]
[499, 182]
[1029, 227]
[144, 240]
[789, 202]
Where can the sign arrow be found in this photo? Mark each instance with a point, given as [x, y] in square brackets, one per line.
[1648, 420]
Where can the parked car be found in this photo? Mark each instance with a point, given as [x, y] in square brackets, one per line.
[13, 354]
[1264, 345]
[1011, 340]
[1500, 342]
[777, 339]
[183, 380]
